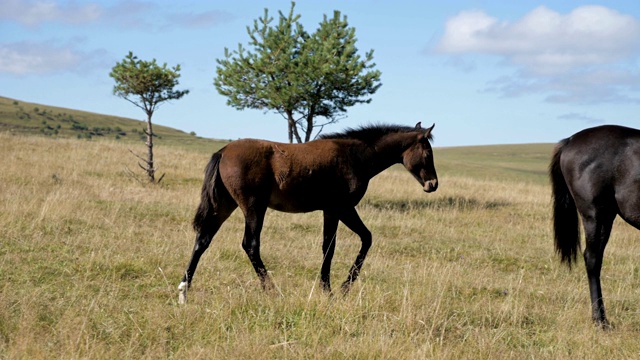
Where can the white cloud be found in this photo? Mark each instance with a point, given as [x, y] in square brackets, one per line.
[35, 12]
[544, 41]
[24, 58]
[586, 56]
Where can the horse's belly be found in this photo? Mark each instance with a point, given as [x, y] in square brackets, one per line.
[316, 194]
[292, 205]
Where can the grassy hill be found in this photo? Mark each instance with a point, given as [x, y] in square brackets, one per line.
[20, 117]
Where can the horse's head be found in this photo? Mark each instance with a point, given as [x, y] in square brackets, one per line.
[418, 159]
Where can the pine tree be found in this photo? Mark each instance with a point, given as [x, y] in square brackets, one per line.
[299, 75]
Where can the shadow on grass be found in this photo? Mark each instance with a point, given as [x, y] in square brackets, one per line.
[440, 203]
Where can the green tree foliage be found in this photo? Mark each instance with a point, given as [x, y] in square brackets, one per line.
[146, 85]
[301, 76]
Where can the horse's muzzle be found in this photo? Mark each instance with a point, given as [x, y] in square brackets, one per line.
[431, 185]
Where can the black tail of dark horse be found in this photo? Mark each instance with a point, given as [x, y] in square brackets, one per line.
[209, 197]
[565, 216]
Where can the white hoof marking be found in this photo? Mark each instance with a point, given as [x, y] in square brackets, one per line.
[182, 295]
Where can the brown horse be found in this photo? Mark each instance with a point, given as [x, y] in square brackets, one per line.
[329, 174]
[594, 173]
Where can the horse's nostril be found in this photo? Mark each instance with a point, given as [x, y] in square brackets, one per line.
[431, 186]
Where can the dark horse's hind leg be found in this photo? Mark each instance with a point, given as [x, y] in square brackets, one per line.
[254, 219]
[597, 233]
[328, 248]
[203, 239]
[352, 220]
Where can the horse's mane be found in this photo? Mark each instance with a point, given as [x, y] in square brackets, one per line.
[370, 134]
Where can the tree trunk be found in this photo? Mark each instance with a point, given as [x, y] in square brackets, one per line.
[307, 136]
[150, 169]
[293, 128]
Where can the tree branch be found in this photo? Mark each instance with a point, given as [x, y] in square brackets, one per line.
[138, 156]
[132, 175]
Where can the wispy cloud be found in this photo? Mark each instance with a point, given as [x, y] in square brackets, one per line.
[585, 56]
[54, 56]
[132, 14]
[580, 86]
[199, 20]
[24, 58]
[461, 64]
[35, 12]
[582, 118]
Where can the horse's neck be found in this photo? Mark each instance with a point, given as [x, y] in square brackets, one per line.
[388, 151]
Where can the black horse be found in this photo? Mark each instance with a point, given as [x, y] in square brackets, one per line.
[330, 174]
[596, 172]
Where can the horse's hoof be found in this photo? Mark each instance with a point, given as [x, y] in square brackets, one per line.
[182, 293]
[267, 284]
[604, 325]
[346, 287]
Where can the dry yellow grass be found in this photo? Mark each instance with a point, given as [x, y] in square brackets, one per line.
[90, 260]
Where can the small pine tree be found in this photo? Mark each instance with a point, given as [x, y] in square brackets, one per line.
[146, 85]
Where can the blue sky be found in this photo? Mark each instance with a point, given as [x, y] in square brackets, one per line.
[485, 72]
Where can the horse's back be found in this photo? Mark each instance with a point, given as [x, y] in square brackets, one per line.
[284, 162]
[599, 149]
[604, 134]
[601, 166]
[290, 177]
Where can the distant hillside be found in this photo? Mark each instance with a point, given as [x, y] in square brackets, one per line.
[522, 162]
[22, 117]
[517, 162]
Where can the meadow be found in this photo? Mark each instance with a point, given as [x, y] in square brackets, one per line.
[90, 261]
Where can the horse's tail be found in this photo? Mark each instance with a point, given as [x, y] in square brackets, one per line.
[565, 216]
[209, 198]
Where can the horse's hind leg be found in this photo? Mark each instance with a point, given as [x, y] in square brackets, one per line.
[328, 248]
[352, 220]
[203, 240]
[597, 231]
[254, 219]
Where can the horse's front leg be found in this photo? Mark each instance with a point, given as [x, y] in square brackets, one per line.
[352, 220]
[328, 248]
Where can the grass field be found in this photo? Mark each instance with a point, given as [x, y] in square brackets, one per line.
[90, 260]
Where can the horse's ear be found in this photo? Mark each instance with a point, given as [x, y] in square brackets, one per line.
[431, 128]
[419, 125]
[426, 135]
